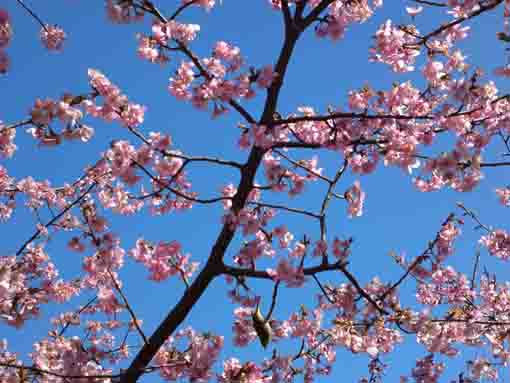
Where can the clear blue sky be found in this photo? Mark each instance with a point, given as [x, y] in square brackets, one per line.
[397, 217]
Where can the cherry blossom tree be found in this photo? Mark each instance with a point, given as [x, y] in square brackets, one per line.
[444, 129]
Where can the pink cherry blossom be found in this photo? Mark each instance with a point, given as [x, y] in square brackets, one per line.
[5, 28]
[53, 37]
[413, 11]
[285, 272]
[504, 196]
[163, 260]
[502, 71]
[4, 62]
[356, 199]
[230, 54]
[390, 48]
[266, 76]
[274, 204]
[207, 4]
[184, 33]
[7, 146]
[498, 244]
[122, 13]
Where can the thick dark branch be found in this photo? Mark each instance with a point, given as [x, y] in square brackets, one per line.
[366, 116]
[315, 13]
[287, 17]
[273, 93]
[347, 115]
[261, 274]
[214, 265]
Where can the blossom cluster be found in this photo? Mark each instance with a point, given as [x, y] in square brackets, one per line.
[5, 37]
[163, 260]
[53, 37]
[116, 106]
[45, 112]
[342, 14]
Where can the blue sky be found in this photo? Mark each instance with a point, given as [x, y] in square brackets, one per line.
[397, 217]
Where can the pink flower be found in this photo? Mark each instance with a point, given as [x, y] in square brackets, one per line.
[108, 302]
[392, 48]
[133, 115]
[427, 371]
[285, 272]
[504, 196]
[341, 248]
[5, 28]
[228, 191]
[249, 371]
[356, 198]
[184, 33]
[321, 248]
[167, 167]
[502, 71]
[122, 12]
[163, 260]
[498, 244]
[413, 11]
[266, 76]
[43, 112]
[147, 50]
[229, 53]
[4, 62]
[76, 245]
[434, 72]
[7, 146]
[207, 4]
[482, 369]
[455, 33]
[284, 236]
[53, 37]
[179, 85]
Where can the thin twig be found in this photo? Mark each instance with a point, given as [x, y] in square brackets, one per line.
[333, 301]
[283, 207]
[56, 218]
[128, 307]
[362, 291]
[273, 301]
[37, 18]
[475, 269]
[432, 3]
